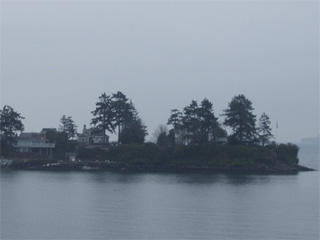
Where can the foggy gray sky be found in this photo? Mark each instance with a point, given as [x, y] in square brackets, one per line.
[58, 57]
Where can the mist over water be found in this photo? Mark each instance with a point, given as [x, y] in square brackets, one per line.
[106, 205]
[309, 155]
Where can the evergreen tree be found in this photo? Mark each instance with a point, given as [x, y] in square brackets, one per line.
[161, 129]
[219, 132]
[264, 129]
[208, 122]
[166, 139]
[10, 124]
[178, 130]
[162, 139]
[116, 112]
[61, 144]
[239, 117]
[175, 119]
[68, 126]
[191, 122]
[196, 124]
[63, 127]
[133, 132]
[103, 116]
[72, 128]
[123, 111]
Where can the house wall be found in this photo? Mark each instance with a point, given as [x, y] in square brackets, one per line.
[34, 145]
[87, 137]
[83, 139]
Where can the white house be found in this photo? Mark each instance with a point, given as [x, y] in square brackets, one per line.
[34, 143]
[89, 137]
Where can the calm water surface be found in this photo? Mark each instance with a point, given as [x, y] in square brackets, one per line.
[105, 205]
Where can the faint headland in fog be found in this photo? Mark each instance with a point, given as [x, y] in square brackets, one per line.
[311, 140]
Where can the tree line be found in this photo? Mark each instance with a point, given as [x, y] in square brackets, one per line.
[195, 124]
[116, 114]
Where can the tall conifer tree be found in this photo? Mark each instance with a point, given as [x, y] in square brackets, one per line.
[103, 116]
[240, 118]
[264, 129]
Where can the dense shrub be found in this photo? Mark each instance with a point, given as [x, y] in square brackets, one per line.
[287, 153]
[206, 154]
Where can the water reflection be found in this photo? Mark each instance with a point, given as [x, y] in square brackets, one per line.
[114, 177]
[166, 178]
[136, 177]
[172, 178]
[92, 205]
[246, 179]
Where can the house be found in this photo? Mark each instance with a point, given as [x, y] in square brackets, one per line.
[34, 143]
[91, 137]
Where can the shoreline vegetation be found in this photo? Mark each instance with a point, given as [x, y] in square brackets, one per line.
[196, 142]
[149, 157]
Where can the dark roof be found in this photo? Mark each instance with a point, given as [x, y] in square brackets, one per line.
[30, 135]
[48, 129]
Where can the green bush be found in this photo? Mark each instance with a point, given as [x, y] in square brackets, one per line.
[206, 154]
[287, 153]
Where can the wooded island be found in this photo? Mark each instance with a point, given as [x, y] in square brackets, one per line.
[196, 142]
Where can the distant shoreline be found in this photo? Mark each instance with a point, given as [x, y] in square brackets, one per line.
[44, 165]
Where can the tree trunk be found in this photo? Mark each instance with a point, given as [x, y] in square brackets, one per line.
[104, 138]
[118, 134]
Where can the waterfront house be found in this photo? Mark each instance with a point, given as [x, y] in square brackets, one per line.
[34, 143]
[91, 137]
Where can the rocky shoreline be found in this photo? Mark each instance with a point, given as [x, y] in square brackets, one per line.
[106, 165]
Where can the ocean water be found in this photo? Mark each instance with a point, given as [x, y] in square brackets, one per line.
[309, 155]
[108, 205]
